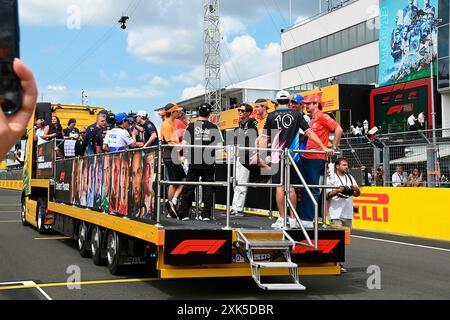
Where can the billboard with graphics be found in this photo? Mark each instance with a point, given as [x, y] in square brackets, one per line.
[121, 184]
[408, 40]
[391, 106]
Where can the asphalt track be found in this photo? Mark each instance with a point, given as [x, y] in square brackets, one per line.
[409, 268]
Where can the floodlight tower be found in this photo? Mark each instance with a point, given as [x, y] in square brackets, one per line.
[212, 38]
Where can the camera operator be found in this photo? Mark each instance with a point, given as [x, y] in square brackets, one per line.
[340, 204]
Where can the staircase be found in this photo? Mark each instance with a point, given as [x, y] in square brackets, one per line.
[273, 240]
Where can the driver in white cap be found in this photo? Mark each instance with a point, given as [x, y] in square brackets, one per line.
[150, 132]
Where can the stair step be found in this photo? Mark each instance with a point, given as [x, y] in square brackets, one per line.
[270, 243]
[283, 264]
[259, 231]
[282, 286]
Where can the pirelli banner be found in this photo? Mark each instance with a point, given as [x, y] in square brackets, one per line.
[418, 212]
[121, 184]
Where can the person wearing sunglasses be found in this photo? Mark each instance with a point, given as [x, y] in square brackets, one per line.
[245, 136]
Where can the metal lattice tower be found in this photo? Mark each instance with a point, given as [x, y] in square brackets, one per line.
[212, 38]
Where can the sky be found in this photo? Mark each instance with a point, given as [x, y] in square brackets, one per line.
[75, 45]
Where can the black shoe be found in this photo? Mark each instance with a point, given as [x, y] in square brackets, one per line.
[171, 210]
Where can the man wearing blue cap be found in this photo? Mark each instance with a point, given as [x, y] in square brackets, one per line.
[297, 103]
[93, 132]
[119, 139]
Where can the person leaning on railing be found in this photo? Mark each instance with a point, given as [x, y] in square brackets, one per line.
[312, 165]
[13, 127]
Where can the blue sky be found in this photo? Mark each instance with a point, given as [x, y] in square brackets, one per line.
[157, 60]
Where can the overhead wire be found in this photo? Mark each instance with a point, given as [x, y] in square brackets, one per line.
[292, 37]
[282, 42]
[131, 8]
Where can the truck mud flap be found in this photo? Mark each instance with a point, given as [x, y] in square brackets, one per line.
[331, 247]
[197, 247]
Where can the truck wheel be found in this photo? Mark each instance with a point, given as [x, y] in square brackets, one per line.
[40, 219]
[96, 246]
[23, 213]
[83, 243]
[113, 243]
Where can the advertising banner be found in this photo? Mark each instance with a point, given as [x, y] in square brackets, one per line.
[329, 95]
[195, 247]
[391, 106]
[63, 181]
[45, 157]
[393, 210]
[408, 40]
[122, 184]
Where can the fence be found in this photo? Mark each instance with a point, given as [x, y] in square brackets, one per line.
[427, 151]
[15, 174]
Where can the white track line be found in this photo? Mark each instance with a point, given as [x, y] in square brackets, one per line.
[402, 243]
[40, 289]
[27, 283]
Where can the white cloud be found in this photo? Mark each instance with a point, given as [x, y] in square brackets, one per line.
[56, 88]
[190, 77]
[144, 92]
[159, 81]
[246, 60]
[122, 75]
[192, 92]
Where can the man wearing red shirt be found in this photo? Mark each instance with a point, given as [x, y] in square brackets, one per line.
[312, 165]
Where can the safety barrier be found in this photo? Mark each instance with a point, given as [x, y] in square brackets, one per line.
[416, 212]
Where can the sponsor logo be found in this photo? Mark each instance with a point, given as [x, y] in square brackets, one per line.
[205, 246]
[400, 109]
[372, 207]
[325, 246]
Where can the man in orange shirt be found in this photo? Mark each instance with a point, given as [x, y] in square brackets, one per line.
[171, 156]
[261, 114]
[312, 165]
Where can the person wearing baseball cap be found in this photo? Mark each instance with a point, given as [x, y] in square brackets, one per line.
[146, 129]
[297, 102]
[201, 162]
[312, 165]
[282, 131]
[171, 157]
[119, 139]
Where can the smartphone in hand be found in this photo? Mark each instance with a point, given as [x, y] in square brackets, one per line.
[10, 87]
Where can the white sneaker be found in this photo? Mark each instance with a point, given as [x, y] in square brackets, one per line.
[293, 223]
[278, 224]
[308, 224]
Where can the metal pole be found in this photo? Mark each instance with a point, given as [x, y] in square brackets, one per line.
[158, 193]
[227, 227]
[270, 204]
[432, 177]
[287, 180]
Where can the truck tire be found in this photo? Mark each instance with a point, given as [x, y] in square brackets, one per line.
[96, 246]
[82, 240]
[23, 213]
[40, 218]
[113, 245]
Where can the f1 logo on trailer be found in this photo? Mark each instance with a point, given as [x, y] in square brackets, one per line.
[206, 246]
[325, 246]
